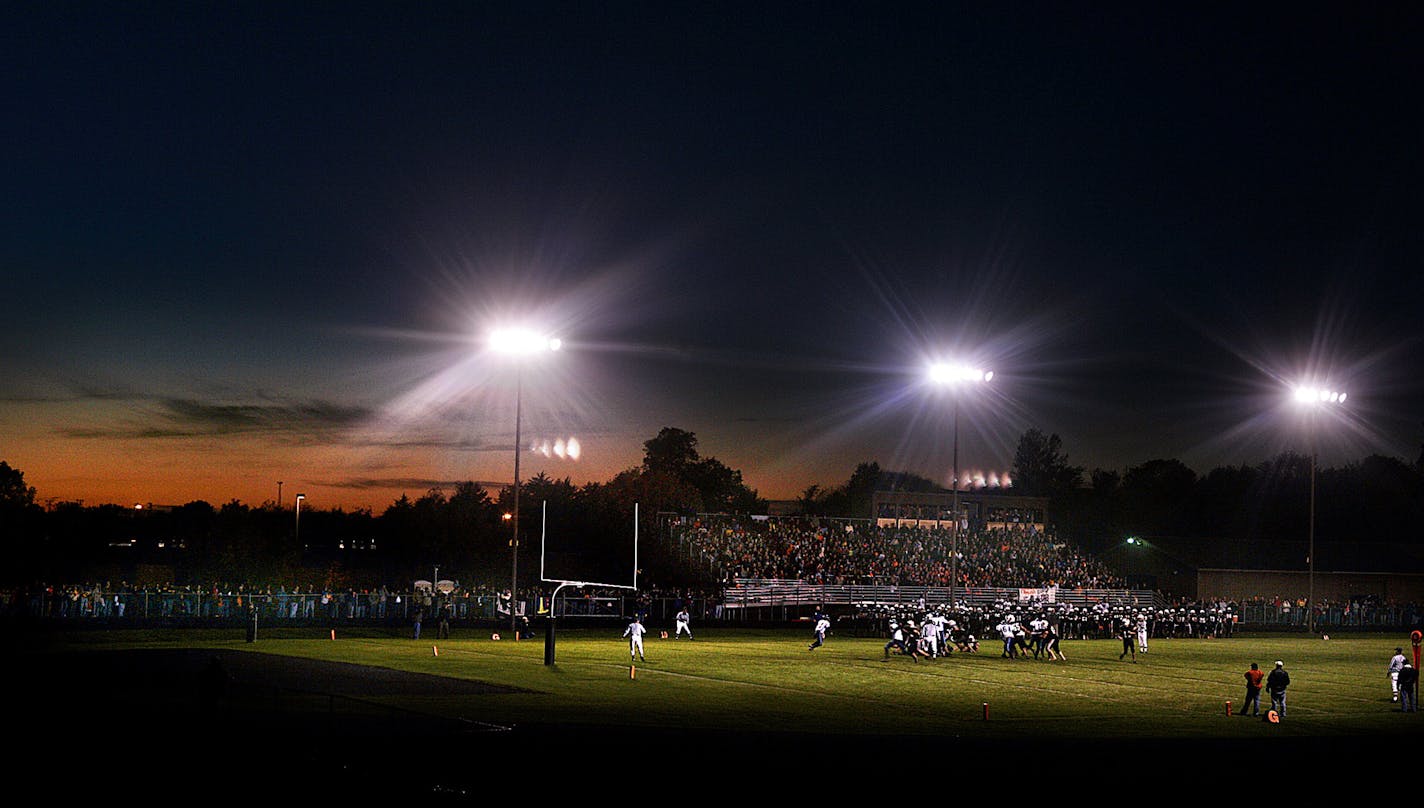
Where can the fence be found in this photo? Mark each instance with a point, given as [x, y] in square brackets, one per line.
[746, 600]
[279, 607]
[1365, 615]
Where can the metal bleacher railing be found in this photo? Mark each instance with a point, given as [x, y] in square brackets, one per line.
[755, 593]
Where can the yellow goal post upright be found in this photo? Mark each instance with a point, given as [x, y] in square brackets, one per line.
[551, 619]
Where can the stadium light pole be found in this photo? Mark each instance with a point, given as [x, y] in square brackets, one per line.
[518, 343]
[1313, 398]
[952, 376]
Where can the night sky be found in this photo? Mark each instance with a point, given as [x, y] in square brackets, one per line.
[252, 242]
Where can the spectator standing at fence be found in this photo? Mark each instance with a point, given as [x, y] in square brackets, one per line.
[1396, 663]
[416, 618]
[1253, 690]
[444, 627]
[634, 632]
[1277, 683]
[684, 623]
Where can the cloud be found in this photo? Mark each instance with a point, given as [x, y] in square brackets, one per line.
[431, 441]
[74, 392]
[363, 483]
[307, 421]
[416, 483]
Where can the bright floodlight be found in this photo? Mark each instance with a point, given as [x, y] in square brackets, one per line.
[942, 373]
[522, 341]
[1324, 395]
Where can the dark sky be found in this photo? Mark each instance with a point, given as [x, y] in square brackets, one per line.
[245, 243]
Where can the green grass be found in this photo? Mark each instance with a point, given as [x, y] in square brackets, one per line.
[768, 681]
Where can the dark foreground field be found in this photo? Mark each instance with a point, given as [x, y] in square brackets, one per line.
[732, 716]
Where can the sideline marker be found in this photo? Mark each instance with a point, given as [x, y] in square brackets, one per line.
[333, 634]
[434, 651]
[986, 711]
[632, 671]
[1228, 709]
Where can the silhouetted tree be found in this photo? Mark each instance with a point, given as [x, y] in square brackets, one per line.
[1156, 497]
[1041, 468]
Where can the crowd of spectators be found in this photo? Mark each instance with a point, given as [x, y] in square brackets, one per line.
[844, 552]
[220, 601]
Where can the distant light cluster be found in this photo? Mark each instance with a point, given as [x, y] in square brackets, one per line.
[564, 449]
[987, 479]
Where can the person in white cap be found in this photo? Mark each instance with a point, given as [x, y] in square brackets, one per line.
[1408, 688]
[1276, 684]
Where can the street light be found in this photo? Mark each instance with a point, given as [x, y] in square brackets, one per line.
[948, 375]
[518, 342]
[298, 528]
[1313, 397]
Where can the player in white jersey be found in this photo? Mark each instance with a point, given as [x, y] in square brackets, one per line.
[1038, 634]
[1142, 632]
[1396, 664]
[684, 623]
[634, 632]
[904, 639]
[1006, 633]
[823, 624]
[941, 624]
[929, 639]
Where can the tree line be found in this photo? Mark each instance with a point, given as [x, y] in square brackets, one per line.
[465, 530]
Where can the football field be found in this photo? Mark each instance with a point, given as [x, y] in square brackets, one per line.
[770, 682]
[726, 694]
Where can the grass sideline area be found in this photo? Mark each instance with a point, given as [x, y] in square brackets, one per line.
[726, 696]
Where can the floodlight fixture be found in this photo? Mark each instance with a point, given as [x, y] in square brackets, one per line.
[950, 373]
[522, 341]
[1310, 394]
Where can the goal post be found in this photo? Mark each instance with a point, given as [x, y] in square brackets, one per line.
[551, 619]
